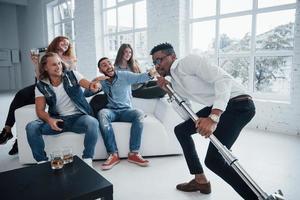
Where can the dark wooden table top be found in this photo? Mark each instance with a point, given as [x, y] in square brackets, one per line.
[74, 181]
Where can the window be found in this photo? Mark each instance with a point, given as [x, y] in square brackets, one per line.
[125, 22]
[60, 16]
[253, 40]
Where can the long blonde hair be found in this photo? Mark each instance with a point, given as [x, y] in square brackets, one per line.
[132, 63]
[43, 74]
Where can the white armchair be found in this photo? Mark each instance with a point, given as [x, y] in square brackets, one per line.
[158, 137]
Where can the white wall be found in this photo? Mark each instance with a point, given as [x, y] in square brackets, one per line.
[88, 36]
[23, 26]
[165, 20]
[9, 40]
[32, 34]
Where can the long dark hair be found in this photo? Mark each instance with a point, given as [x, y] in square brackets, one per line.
[43, 73]
[132, 63]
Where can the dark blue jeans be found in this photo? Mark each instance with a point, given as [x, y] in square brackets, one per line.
[74, 123]
[235, 117]
[107, 116]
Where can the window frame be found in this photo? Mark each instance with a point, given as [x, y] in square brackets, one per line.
[134, 31]
[252, 53]
[52, 24]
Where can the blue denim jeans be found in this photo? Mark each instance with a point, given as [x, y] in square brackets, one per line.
[74, 123]
[107, 116]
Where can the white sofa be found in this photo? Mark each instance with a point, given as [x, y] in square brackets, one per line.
[158, 137]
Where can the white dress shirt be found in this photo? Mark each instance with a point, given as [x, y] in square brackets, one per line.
[195, 79]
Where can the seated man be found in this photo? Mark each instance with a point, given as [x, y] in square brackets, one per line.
[119, 108]
[68, 109]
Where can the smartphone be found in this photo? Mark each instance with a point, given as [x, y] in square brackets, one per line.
[60, 124]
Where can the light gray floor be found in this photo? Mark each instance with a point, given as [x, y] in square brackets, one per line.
[272, 160]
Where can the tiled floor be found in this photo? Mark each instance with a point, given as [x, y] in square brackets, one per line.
[272, 160]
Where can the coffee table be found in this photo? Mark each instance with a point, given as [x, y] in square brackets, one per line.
[76, 180]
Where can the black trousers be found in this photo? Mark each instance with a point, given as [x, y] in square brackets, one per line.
[149, 90]
[235, 117]
[98, 102]
[23, 97]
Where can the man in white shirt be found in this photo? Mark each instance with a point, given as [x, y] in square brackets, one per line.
[228, 109]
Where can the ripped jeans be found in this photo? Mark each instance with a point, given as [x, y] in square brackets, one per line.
[107, 116]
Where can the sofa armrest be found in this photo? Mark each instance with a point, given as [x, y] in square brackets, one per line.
[24, 115]
[147, 105]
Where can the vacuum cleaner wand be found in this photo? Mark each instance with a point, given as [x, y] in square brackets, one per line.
[226, 154]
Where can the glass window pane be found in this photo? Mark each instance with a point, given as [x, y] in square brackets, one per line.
[68, 29]
[140, 15]
[125, 18]
[109, 3]
[234, 39]
[56, 14]
[126, 38]
[203, 37]
[65, 9]
[111, 46]
[73, 30]
[269, 3]
[110, 21]
[230, 6]
[275, 30]
[273, 74]
[237, 67]
[58, 30]
[71, 5]
[145, 64]
[141, 50]
[203, 8]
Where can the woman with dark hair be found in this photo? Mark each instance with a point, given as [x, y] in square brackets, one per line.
[60, 45]
[125, 61]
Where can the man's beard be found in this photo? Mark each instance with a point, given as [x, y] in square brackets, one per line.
[108, 74]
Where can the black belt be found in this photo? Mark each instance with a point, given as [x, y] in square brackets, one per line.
[242, 97]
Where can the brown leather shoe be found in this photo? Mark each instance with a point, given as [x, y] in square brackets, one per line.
[193, 186]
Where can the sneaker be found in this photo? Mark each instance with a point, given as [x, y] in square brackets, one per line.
[137, 158]
[14, 150]
[111, 161]
[5, 136]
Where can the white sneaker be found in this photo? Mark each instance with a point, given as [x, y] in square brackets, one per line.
[88, 161]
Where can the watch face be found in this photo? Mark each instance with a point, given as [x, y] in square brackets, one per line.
[214, 117]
